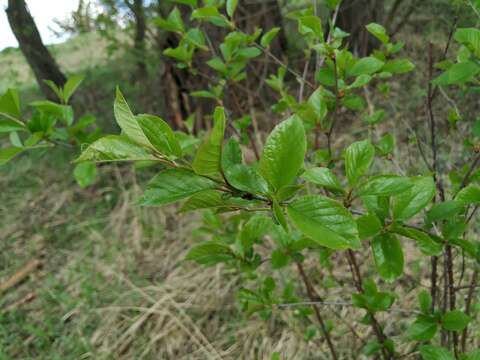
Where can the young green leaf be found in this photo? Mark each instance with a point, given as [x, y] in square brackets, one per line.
[358, 158]
[469, 37]
[415, 199]
[231, 7]
[398, 66]
[115, 148]
[430, 352]
[425, 301]
[70, 86]
[212, 15]
[283, 153]
[325, 221]
[385, 185]
[268, 37]
[455, 320]
[423, 329]
[127, 121]
[212, 199]
[85, 173]
[7, 154]
[324, 177]
[368, 225]
[379, 32]
[311, 25]
[426, 244]
[208, 157]
[444, 210]
[10, 104]
[458, 74]
[210, 253]
[159, 134]
[366, 66]
[174, 184]
[388, 256]
[469, 195]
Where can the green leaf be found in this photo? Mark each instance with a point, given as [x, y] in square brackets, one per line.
[415, 199]
[470, 37]
[368, 225]
[324, 177]
[283, 153]
[186, 2]
[425, 301]
[279, 215]
[174, 184]
[311, 25]
[430, 352]
[231, 7]
[127, 121]
[424, 328]
[85, 173]
[325, 221]
[398, 66]
[367, 65]
[115, 148]
[358, 158]
[7, 154]
[10, 104]
[455, 320]
[212, 199]
[385, 145]
[208, 157]
[210, 253]
[210, 14]
[458, 74]
[379, 32]
[55, 88]
[354, 102]
[159, 135]
[469, 195]
[268, 37]
[388, 256]
[70, 86]
[385, 185]
[256, 227]
[8, 125]
[360, 81]
[61, 112]
[474, 355]
[196, 38]
[444, 210]
[279, 259]
[426, 244]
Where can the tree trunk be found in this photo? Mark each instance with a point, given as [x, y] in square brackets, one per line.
[39, 58]
[353, 16]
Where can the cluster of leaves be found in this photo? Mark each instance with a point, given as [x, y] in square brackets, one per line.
[301, 197]
[48, 124]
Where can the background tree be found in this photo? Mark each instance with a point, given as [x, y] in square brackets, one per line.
[39, 58]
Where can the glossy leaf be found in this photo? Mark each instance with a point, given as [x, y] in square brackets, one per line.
[174, 184]
[208, 157]
[430, 352]
[388, 256]
[71, 86]
[426, 244]
[358, 158]
[415, 199]
[127, 121]
[85, 173]
[379, 32]
[115, 148]
[210, 253]
[366, 66]
[325, 221]
[469, 195]
[283, 153]
[268, 37]
[159, 134]
[385, 185]
[455, 320]
[324, 177]
[424, 328]
[458, 74]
